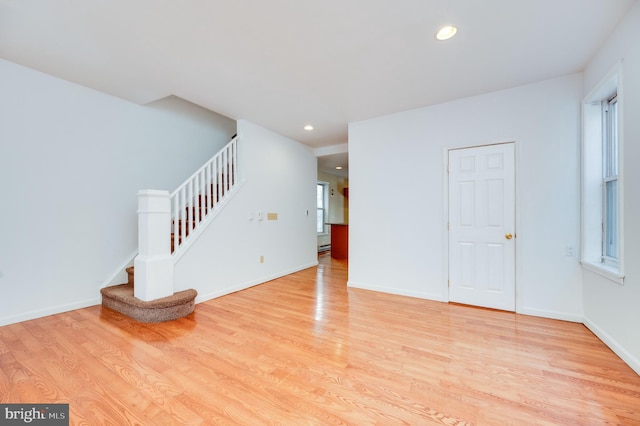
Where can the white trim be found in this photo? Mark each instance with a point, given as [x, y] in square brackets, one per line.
[445, 224]
[607, 271]
[53, 310]
[611, 83]
[208, 220]
[518, 221]
[331, 150]
[26, 316]
[243, 286]
[620, 95]
[393, 290]
[554, 315]
[617, 348]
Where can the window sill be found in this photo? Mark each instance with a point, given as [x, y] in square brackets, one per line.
[606, 271]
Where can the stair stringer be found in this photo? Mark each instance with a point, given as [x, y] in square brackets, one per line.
[202, 226]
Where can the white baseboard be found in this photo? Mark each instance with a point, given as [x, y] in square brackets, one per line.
[618, 349]
[562, 316]
[26, 316]
[399, 292]
[242, 286]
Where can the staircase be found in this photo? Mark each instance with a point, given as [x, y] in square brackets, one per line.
[201, 195]
[188, 210]
[185, 222]
[120, 298]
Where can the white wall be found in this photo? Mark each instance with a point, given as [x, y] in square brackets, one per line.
[279, 176]
[612, 310]
[71, 162]
[397, 193]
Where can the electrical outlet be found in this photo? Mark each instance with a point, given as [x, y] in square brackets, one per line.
[261, 259]
[570, 250]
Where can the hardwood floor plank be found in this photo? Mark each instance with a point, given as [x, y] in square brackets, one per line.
[305, 349]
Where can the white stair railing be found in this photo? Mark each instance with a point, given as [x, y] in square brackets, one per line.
[199, 195]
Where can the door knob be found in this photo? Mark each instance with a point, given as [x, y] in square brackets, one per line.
[508, 235]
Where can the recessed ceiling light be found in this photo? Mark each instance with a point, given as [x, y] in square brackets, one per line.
[446, 33]
[308, 127]
[338, 167]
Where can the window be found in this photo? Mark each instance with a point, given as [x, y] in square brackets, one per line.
[602, 179]
[323, 205]
[610, 180]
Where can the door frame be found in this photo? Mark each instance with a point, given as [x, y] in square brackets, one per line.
[518, 219]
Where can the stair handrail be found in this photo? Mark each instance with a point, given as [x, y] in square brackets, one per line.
[200, 194]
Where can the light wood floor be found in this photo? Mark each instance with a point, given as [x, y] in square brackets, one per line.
[304, 349]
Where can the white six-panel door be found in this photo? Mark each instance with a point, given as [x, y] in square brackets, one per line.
[482, 226]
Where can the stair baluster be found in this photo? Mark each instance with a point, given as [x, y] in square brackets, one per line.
[199, 195]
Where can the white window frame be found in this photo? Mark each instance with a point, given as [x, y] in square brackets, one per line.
[610, 175]
[595, 175]
[324, 208]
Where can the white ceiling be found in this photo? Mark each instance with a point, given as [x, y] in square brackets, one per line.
[285, 63]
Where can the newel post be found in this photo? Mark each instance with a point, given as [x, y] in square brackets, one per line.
[153, 267]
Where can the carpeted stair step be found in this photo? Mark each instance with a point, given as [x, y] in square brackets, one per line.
[121, 298]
